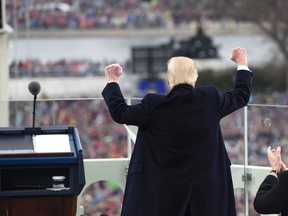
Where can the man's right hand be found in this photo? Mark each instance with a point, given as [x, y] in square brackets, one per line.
[239, 56]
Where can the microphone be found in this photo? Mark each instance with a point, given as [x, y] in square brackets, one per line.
[34, 88]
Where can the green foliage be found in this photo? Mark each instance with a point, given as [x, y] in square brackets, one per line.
[265, 80]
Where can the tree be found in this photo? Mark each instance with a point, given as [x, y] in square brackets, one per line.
[271, 16]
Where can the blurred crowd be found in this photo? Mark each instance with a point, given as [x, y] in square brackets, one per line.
[105, 14]
[60, 68]
[103, 197]
[266, 127]
[101, 137]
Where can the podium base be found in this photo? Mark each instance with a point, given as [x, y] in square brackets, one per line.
[36, 206]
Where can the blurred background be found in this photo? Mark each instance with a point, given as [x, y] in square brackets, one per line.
[77, 38]
[65, 45]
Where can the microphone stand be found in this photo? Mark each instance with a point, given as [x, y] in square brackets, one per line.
[33, 119]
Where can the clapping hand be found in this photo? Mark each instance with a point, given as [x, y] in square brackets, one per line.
[275, 160]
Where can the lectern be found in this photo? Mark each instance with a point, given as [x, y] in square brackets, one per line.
[41, 171]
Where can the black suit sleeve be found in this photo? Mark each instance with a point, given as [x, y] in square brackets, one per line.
[271, 197]
[121, 112]
[237, 98]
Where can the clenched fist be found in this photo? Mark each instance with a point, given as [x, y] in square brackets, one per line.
[112, 72]
[239, 56]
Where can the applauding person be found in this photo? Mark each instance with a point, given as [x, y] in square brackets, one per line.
[272, 195]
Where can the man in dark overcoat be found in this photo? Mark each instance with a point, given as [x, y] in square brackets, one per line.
[179, 165]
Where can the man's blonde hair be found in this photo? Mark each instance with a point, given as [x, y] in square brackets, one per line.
[181, 70]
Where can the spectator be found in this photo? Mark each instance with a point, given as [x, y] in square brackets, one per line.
[272, 195]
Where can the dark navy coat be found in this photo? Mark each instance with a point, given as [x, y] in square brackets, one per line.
[179, 158]
[272, 195]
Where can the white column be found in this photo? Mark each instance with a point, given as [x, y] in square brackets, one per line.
[4, 80]
[4, 75]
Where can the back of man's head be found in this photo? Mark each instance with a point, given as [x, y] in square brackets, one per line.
[181, 70]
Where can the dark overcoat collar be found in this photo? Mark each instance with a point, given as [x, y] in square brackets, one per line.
[181, 88]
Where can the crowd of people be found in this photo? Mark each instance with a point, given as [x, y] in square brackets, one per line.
[83, 14]
[102, 138]
[58, 68]
[103, 197]
[88, 15]
[266, 126]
